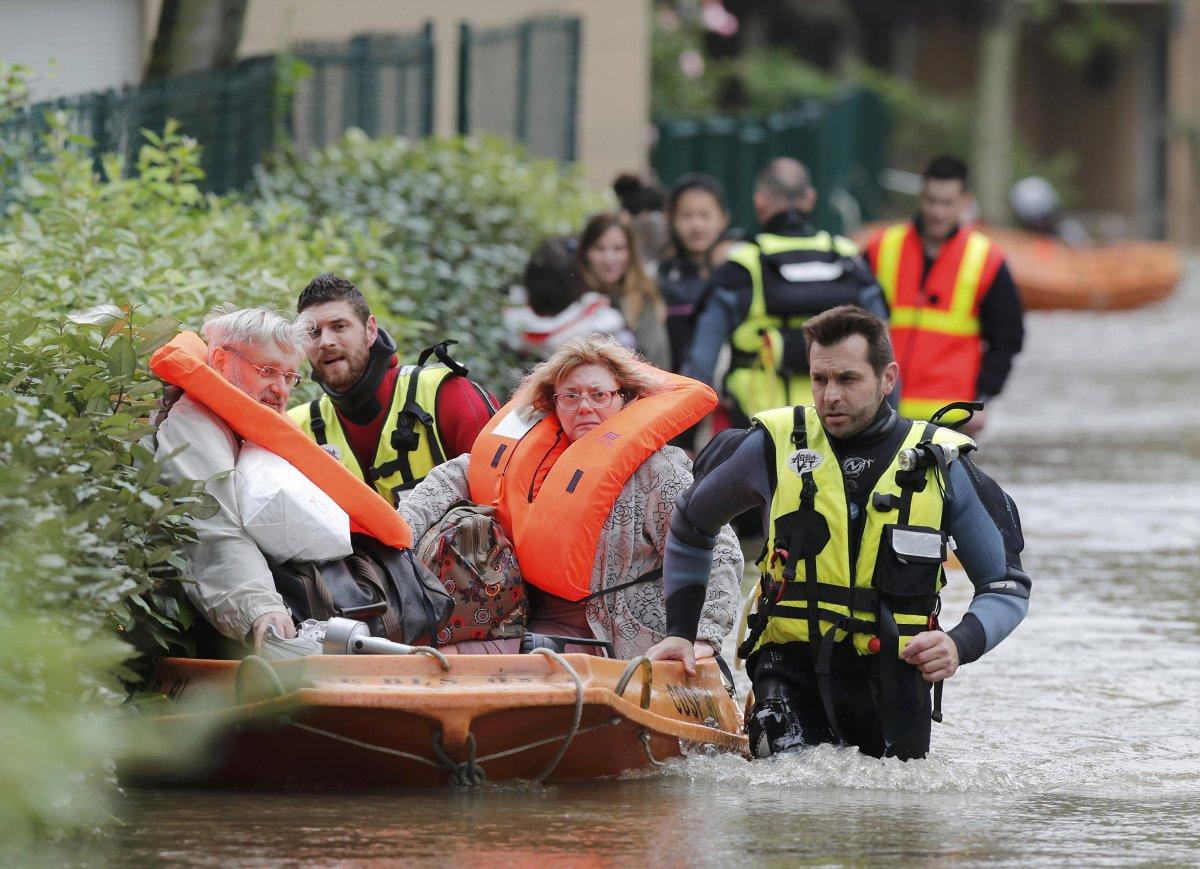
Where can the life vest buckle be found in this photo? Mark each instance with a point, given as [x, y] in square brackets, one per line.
[405, 440]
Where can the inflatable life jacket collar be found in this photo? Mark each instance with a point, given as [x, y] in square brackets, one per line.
[359, 402]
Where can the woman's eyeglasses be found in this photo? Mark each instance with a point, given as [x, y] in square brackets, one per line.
[597, 398]
[270, 372]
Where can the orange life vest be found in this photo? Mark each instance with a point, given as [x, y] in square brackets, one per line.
[935, 320]
[553, 497]
[182, 363]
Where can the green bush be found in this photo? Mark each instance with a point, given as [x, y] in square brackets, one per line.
[441, 230]
[95, 273]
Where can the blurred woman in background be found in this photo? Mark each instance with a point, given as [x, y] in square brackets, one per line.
[610, 263]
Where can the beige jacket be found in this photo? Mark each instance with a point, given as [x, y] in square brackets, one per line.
[632, 543]
[232, 582]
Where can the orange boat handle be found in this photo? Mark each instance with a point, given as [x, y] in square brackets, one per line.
[643, 663]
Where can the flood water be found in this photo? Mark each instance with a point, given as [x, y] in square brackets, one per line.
[1076, 741]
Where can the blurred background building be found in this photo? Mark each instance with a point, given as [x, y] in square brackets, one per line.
[1102, 97]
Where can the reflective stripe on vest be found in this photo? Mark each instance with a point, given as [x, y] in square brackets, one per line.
[552, 497]
[760, 385]
[836, 575]
[182, 362]
[388, 475]
[935, 320]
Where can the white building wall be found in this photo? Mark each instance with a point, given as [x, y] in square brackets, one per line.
[97, 44]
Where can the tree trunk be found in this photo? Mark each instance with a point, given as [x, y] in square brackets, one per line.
[196, 35]
[994, 135]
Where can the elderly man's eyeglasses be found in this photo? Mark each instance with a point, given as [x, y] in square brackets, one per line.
[597, 398]
[270, 372]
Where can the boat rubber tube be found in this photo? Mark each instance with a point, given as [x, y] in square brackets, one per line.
[182, 362]
[553, 497]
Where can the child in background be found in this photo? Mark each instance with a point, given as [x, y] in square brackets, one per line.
[554, 306]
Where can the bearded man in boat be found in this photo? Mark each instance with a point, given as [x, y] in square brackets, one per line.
[388, 424]
[956, 316]
[858, 503]
[259, 352]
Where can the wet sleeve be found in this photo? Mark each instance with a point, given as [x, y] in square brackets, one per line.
[463, 409]
[723, 306]
[723, 589]
[741, 482]
[428, 501]
[231, 583]
[1002, 328]
[986, 527]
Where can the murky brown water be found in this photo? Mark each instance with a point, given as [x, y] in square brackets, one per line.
[1077, 741]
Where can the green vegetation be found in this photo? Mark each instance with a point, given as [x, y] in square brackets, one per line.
[96, 270]
[765, 80]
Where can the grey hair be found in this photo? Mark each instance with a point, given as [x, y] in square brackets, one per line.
[786, 179]
[228, 326]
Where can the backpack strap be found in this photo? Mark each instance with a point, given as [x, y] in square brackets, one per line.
[316, 422]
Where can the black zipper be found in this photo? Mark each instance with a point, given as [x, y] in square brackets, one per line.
[533, 479]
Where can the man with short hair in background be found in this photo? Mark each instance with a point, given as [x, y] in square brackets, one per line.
[759, 299]
[956, 316]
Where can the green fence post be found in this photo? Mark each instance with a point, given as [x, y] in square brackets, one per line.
[751, 157]
[428, 76]
[101, 109]
[574, 40]
[524, 37]
[464, 79]
[320, 139]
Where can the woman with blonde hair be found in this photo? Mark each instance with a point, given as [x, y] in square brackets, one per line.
[568, 473]
[610, 262]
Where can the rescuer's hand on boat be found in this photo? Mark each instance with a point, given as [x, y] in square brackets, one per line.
[934, 653]
[677, 649]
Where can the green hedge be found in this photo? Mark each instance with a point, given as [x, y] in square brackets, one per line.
[442, 231]
[95, 272]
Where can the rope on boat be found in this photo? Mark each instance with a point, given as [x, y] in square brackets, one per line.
[469, 773]
[569, 736]
[264, 668]
[431, 651]
[644, 738]
[639, 663]
[358, 743]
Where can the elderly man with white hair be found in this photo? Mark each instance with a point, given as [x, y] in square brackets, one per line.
[259, 352]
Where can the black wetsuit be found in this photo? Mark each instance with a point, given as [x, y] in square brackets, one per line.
[980, 517]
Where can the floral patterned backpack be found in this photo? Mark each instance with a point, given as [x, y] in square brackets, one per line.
[471, 554]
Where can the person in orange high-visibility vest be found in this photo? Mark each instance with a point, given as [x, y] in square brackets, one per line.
[956, 316]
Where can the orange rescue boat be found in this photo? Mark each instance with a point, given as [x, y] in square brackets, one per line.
[1052, 275]
[367, 721]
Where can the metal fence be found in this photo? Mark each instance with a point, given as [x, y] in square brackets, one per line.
[841, 142]
[382, 84]
[522, 82]
[231, 112]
